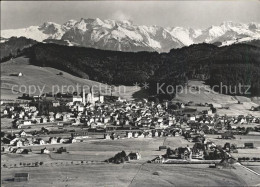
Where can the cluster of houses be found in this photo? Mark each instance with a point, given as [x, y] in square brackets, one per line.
[142, 114]
[203, 149]
[130, 119]
[11, 142]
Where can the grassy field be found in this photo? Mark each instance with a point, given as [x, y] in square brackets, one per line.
[239, 141]
[100, 150]
[127, 175]
[59, 171]
[45, 78]
[206, 95]
[6, 123]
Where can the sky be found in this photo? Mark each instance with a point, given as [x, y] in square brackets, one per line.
[194, 14]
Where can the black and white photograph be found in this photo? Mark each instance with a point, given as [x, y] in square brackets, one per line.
[130, 93]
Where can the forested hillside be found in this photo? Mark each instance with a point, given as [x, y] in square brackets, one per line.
[229, 65]
[14, 46]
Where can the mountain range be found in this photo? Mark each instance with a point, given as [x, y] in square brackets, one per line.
[126, 36]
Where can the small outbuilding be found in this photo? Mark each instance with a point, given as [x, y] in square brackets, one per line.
[21, 177]
[134, 156]
[249, 145]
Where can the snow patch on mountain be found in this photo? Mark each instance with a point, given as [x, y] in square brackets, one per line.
[182, 34]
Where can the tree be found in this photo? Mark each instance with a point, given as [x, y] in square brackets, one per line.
[123, 154]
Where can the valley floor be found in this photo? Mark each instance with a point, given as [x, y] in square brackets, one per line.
[133, 175]
[67, 169]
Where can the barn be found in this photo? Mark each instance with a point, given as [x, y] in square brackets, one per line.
[21, 177]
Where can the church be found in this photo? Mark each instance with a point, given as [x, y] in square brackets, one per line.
[91, 98]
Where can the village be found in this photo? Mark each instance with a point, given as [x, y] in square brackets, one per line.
[184, 133]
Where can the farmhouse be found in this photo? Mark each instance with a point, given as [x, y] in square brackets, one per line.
[19, 143]
[249, 145]
[107, 136]
[53, 140]
[21, 177]
[61, 150]
[45, 151]
[129, 134]
[163, 147]
[43, 119]
[227, 135]
[55, 103]
[22, 133]
[40, 142]
[134, 156]
[76, 98]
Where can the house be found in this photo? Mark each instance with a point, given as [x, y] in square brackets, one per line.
[13, 141]
[26, 122]
[163, 147]
[192, 118]
[76, 98]
[61, 150]
[106, 136]
[56, 103]
[227, 135]
[249, 145]
[60, 140]
[51, 119]
[27, 142]
[155, 134]
[25, 151]
[93, 125]
[5, 112]
[53, 140]
[184, 152]
[37, 119]
[80, 108]
[41, 141]
[45, 151]
[72, 140]
[58, 116]
[64, 117]
[134, 156]
[44, 120]
[22, 133]
[141, 135]
[129, 134]
[19, 143]
[17, 150]
[21, 177]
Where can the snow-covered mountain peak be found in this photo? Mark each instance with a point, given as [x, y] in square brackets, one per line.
[49, 23]
[124, 35]
[253, 26]
[69, 24]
